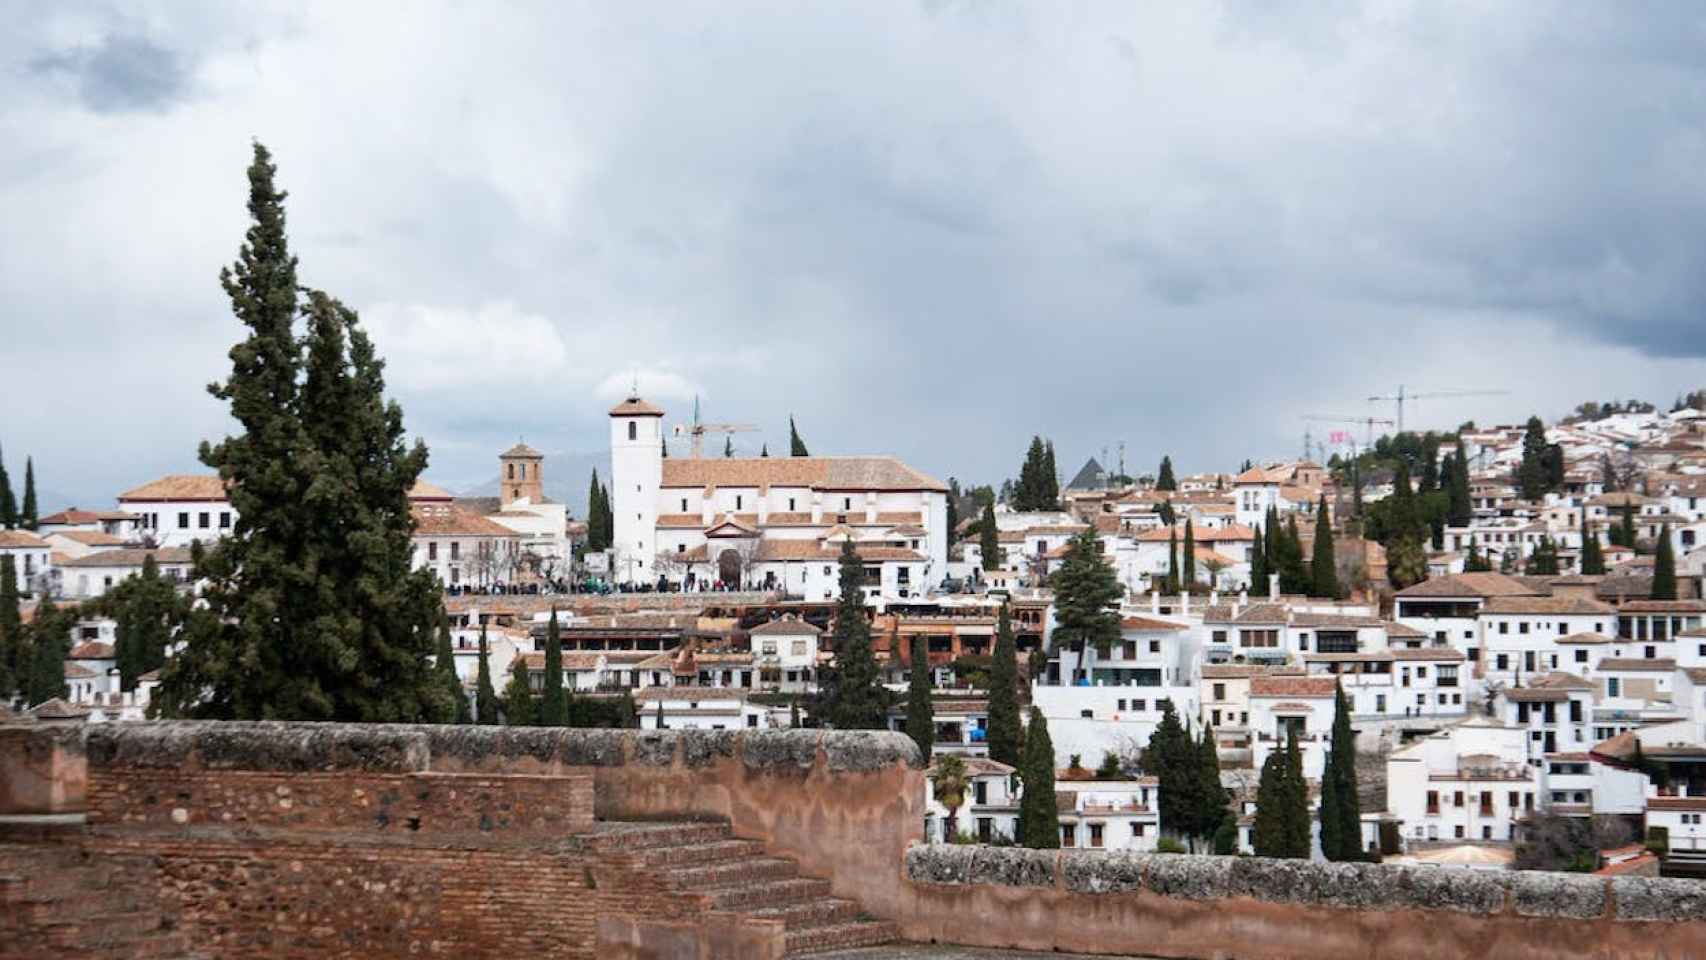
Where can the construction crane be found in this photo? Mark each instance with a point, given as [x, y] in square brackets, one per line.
[1399, 398]
[1367, 422]
[697, 430]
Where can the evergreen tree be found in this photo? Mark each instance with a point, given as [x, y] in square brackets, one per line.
[1507, 562]
[1543, 561]
[1258, 566]
[1164, 510]
[794, 714]
[1086, 597]
[444, 665]
[1294, 576]
[1323, 567]
[796, 446]
[1299, 835]
[1664, 568]
[1004, 731]
[850, 693]
[50, 644]
[1593, 555]
[148, 611]
[728, 447]
[1050, 486]
[988, 539]
[485, 698]
[1341, 809]
[1212, 813]
[554, 704]
[1188, 559]
[1627, 534]
[1533, 476]
[1476, 562]
[1407, 562]
[310, 609]
[1171, 585]
[764, 454]
[1460, 511]
[1031, 493]
[953, 510]
[1039, 820]
[663, 448]
[1282, 806]
[920, 717]
[520, 709]
[1172, 760]
[27, 513]
[1429, 480]
[1164, 479]
[14, 645]
[8, 503]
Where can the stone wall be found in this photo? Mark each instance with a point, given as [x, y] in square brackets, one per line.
[41, 768]
[1262, 909]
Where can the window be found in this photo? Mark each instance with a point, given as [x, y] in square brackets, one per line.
[1581, 656]
[846, 503]
[1220, 691]
[1504, 627]
[1522, 627]
[1137, 829]
[432, 550]
[752, 720]
[633, 430]
[1095, 834]
[683, 504]
[224, 519]
[455, 550]
[1457, 799]
[681, 548]
[790, 504]
[1154, 646]
[740, 502]
[1087, 714]
[1433, 801]
[183, 521]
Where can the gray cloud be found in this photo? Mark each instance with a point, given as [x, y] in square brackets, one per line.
[931, 230]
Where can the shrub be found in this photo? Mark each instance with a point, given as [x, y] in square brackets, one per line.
[1169, 845]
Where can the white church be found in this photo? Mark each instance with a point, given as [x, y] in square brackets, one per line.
[768, 522]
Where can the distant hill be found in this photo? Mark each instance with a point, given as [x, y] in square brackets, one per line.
[566, 478]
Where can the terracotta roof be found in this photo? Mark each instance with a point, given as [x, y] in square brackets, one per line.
[1404, 631]
[681, 520]
[21, 540]
[818, 473]
[785, 626]
[1292, 686]
[635, 407]
[76, 671]
[91, 650]
[179, 486]
[57, 709]
[1150, 623]
[1254, 613]
[1245, 671]
[1427, 653]
[76, 516]
[1584, 638]
[130, 557]
[90, 538]
[1469, 585]
[980, 767]
[1255, 475]
[1676, 803]
[422, 490]
[1544, 605]
[522, 451]
[1560, 680]
[1663, 606]
[1638, 664]
[438, 521]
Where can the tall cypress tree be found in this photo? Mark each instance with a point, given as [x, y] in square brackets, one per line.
[50, 644]
[312, 611]
[445, 667]
[27, 513]
[595, 514]
[1086, 598]
[1664, 568]
[148, 611]
[1004, 730]
[1593, 555]
[1049, 486]
[1032, 493]
[796, 446]
[1039, 819]
[764, 454]
[1172, 760]
[14, 645]
[1172, 584]
[1294, 577]
[8, 502]
[1533, 475]
[920, 717]
[485, 698]
[1258, 566]
[520, 708]
[554, 705]
[1164, 479]
[1323, 565]
[1282, 805]
[1298, 833]
[850, 693]
[1213, 799]
[1188, 560]
[1460, 512]
[1627, 533]
[1341, 809]
[989, 539]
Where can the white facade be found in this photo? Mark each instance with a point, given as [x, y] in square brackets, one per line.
[90, 576]
[32, 559]
[699, 708]
[636, 480]
[1471, 781]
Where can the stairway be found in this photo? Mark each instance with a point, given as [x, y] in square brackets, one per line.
[58, 901]
[740, 876]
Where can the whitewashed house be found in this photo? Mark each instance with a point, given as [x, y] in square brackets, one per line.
[179, 509]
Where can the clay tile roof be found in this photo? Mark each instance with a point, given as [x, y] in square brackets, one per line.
[92, 650]
[635, 407]
[91, 538]
[1403, 631]
[1469, 585]
[76, 671]
[818, 473]
[179, 486]
[1584, 638]
[1149, 623]
[129, 558]
[1292, 686]
[21, 539]
[435, 521]
[522, 451]
[1544, 605]
[1560, 680]
[1427, 653]
[1245, 671]
[422, 490]
[57, 709]
[1663, 606]
[1255, 475]
[71, 516]
[1638, 664]
[680, 520]
[789, 626]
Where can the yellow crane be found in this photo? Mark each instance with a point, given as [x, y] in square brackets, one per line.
[697, 430]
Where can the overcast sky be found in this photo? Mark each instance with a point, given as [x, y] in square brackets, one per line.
[929, 229]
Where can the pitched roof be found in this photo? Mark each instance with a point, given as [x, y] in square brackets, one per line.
[1311, 687]
[91, 650]
[1663, 606]
[1149, 623]
[820, 473]
[75, 515]
[1256, 475]
[21, 539]
[422, 490]
[129, 557]
[1427, 653]
[1638, 664]
[635, 407]
[1469, 585]
[179, 486]
[788, 626]
[1245, 671]
[90, 538]
[1544, 605]
[521, 451]
[1091, 476]
[444, 521]
[1584, 638]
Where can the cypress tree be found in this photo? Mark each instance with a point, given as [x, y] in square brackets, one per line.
[1039, 820]
[1294, 578]
[14, 645]
[1341, 809]
[1030, 493]
[1323, 566]
[485, 698]
[1544, 560]
[1213, 799]
[764, 454]
[50, 644]
[1460, 511]
[27, 513]
[595, 515]
[953, 509]
[1534, 474]
[1476, 562]
[663, 448]
[1429, 480]
[1086, 597]
[850, 693]
[1593, 555]
[1172, 583]
[1258, 566]
[794, 714]
[1172, 760]
[728, 447]
[1188, 559]
[310, 608]
[520, 709]
[1299, 836]
[554, 705]
[8, 503]
[1627, 534]
[1050, 487]
[988, 539]
[920, 717]
[148, 611]
[1664, 568]
[1282, 806]
[1356, 488]
[796, 446]
[445, 667]
[1004, 732]
[1164, 479]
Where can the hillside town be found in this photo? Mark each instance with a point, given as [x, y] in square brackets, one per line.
[1481, 648]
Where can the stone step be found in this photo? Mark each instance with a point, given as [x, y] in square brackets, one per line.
[840, 936]
[769, 893]
[731, 873]
[712, 852]
[810, 913]
[645, 835]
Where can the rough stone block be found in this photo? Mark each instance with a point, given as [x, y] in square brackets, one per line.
[938, 863]
[1444, 888]
[777, 750]
[701, 748]
[1659, 898]
[1189, 877]
[1011, 866]
[1537, 893]
[1099, 872]
[259, 746]
[653, 748]
[868, 750]
[593, 748]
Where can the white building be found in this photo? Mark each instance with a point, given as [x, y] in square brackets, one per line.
[1283, 706]
[1107, 814]
[989, 809]
[463, 548]
[785, 651]
[774, 521]
[92, 575]
[117, 523]
[177, 510]
[1471, 781]
[699, 708]
[32, 559]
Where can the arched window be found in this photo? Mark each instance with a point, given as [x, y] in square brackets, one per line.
[509, 470]
[633, 430]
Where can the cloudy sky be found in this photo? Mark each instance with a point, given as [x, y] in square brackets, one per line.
[926, 228]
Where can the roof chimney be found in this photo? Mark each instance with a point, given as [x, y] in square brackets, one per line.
[1155, 601]
[1184, 603]
[1273, 585]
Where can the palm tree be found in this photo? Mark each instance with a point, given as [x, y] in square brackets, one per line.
[949, 779]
